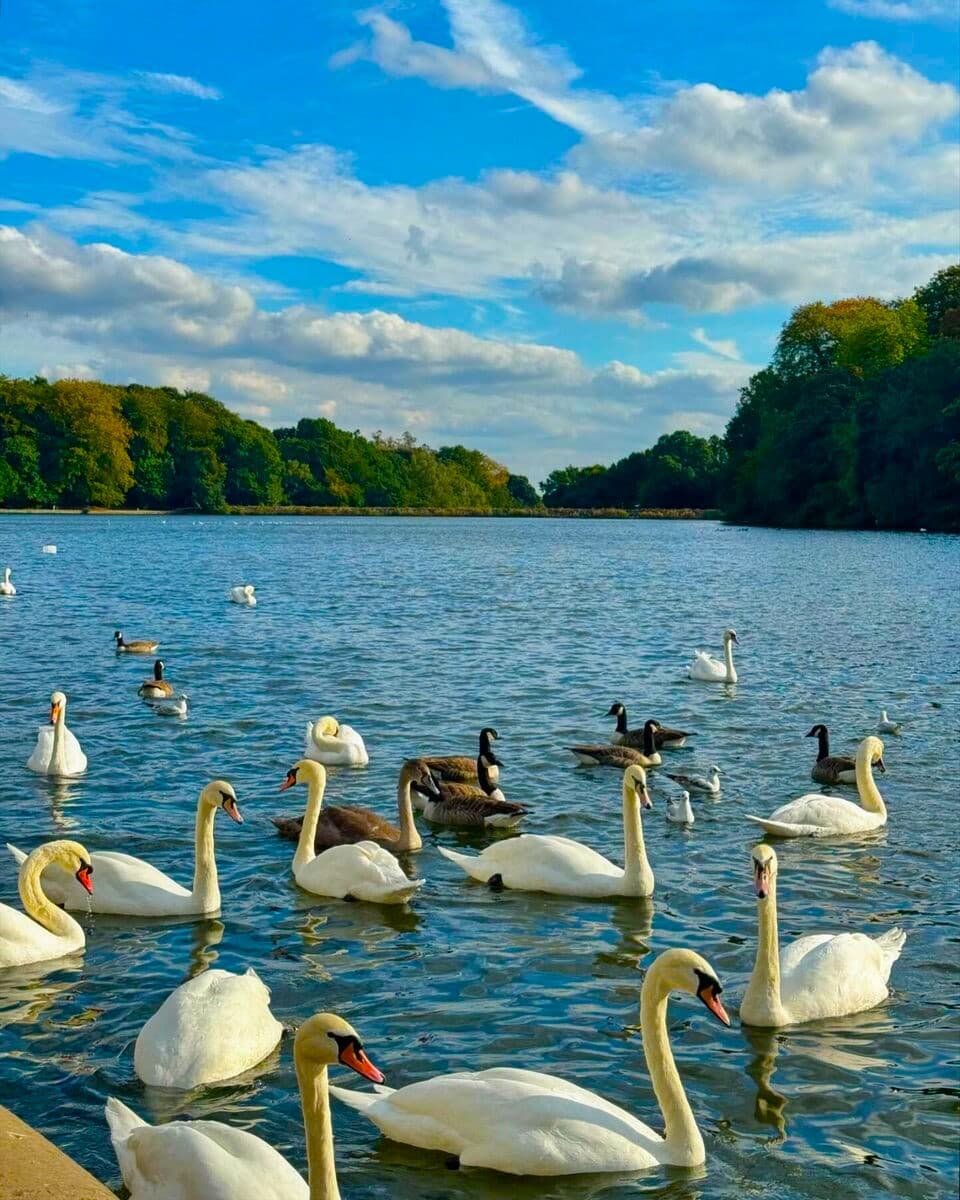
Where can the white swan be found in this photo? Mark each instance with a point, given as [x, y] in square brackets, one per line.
[43, 931]
[822, 975]
[243, 595]
[213, 1027]
[537, 862]
[334, 745]
[680, 810]
[207, 1160]
[49, 548]
[885, 725]
[131, 887]
[526, 1123]
[824, 816]
[361, 871]
[6, 587]
[709, 669]
[709, 783]
[57, 751]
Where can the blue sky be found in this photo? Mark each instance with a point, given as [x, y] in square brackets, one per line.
[552, 231]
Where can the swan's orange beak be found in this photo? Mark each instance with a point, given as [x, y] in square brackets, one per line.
[289, 782]
[85, 877]
[710, 995]
[232, 811]
[353, 1056]
[54, 713]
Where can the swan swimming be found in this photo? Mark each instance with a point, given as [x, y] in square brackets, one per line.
[243, 594]
[708, 669]
[57, 751]
[6, 587]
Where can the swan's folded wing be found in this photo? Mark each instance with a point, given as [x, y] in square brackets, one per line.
[824, 812]
[117, 868]
[832, 974]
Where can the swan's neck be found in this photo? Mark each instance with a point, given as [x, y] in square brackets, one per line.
[306, 847]
[35, 903]
[867, 789]
[206, 886]
[637, 875]
[761, 1002]
[58, 752]
[682, 1139]
[410, 839]
[318, 1128]
[728, 659]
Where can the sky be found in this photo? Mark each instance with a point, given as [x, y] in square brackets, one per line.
[545, 229]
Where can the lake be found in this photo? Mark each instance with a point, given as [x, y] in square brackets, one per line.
[418, 632]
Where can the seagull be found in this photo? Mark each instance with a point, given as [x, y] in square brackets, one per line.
[885, 725]
[679, 809]
[697, 783]
[173, 708]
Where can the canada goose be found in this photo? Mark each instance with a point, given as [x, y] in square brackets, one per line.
[620, 757]
[699, 783]
[141, 647]
[664, 738]
[467, 805]
[485, 786]
[157, 687]
[637, 739]
[831, 768]
[459, 768]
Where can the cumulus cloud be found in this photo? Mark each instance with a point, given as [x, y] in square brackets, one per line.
[899, 10]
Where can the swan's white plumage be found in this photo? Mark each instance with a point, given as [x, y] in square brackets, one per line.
[57, 751]
[6, 586]
[708, 669]
[334, 745]
[243, 594]
[40, 932]
[364, 871]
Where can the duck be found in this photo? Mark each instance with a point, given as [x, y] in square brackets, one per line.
[208, 1160]
[335, 745]
[885, 725]
[468, 805]
[43, 931]
[131, 887]
[620, 757]
[213, 1027]
[243, 594]
[831, 768]
[461, 768]
[821, 975]
[528, 1123]
[6, 587]
[362, 871]
[57, 751]
[814, 815]
[709, 783]
[664, 737]
[708, 669]
[340, 825]
[536, 862]
[173, 708]
[157, 687]
[679, 809]
[140, 646]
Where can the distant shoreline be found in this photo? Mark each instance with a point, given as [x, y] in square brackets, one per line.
[621, 514]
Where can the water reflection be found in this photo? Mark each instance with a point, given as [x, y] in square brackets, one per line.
[770, 1105]
[27, 992]
[204, 936]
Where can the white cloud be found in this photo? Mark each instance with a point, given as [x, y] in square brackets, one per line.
[899, 10]
[181, 84]
[725, 347]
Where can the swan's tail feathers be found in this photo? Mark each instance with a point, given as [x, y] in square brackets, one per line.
[361, 1101]
[891, 943]
[470, 864]
[123, 1122]
[784, 828]
[19, 857]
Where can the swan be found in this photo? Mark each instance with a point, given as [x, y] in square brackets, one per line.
[6, 587]
[173, 708]
[527, 1123]
[822, 975]
[664, 737]
[680, 810]
[461, 768]
[57, 751]
[537, 862]
[710, 783]
[49, 548]
[131, 887]
[213, 1027]
[43, 931]
[885, 725]
[157, 687]
[144, 646]
[469, 805]
[709, 669]
[620, 757]
[243, 595]
[207, 1160]
[825, 816]
[831, 768]
[335, 745]
[363, 871]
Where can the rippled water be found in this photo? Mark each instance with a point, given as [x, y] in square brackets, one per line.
[418, 632]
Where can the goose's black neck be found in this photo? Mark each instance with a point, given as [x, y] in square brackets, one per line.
[823, 742]
[648, 744]
[622, 720]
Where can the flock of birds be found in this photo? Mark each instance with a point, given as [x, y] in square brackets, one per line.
[219, 1024]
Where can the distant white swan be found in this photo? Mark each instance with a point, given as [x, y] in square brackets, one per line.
[885, 725]
[334, 745]
[213, 1027]
[243, 594]
[6, 587]
[57, 751]
[50, 548]
[709, 669]
[680, 810]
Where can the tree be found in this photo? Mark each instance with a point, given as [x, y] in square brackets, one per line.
[940, 298]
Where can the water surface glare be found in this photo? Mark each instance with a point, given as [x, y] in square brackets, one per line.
[418, 632]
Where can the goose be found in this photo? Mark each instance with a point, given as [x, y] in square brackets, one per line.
[620, 757]
[43, 931]
[173, 708]
[827, 816]
[208, 1160]
[822, 975]
[363, 871]
[831, 768]
[885, 725]
[57, 751]
[243, 594]
[680, 810]
[335, 745]
[527, 1123]
[157, 687]
[468, 805]
[132, 887]
[213, 1027]
[143, 646]
[536, 862]
[460, 768]
[664, 737]
[709, 669]
[709, 783]
[6, 587]
[343, 826]
[49, 548]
